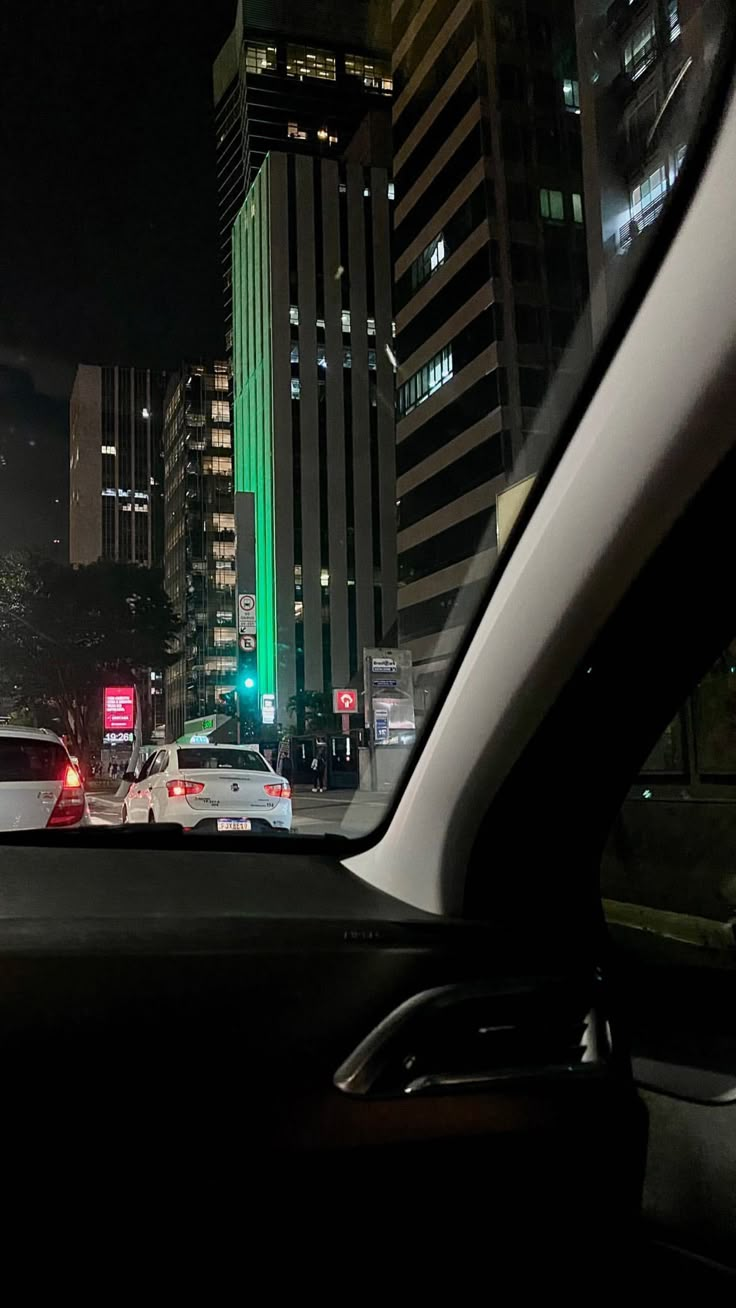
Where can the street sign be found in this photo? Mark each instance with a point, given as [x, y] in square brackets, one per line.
[247, 644]
[345, 701]
[382, 664]
[380, 727]
[246, 615]
[268, 710]
[119, 712]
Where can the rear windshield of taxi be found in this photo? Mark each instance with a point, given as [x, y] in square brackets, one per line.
[244, 760]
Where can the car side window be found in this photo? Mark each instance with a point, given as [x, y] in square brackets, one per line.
[671, 854]
[158, 763]
[146, 768]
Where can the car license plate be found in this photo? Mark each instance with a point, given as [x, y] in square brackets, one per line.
[233, 824]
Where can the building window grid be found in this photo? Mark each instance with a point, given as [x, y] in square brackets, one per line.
[220, 411]
[551, 205]
[577, 207]
[641, 49]
[375, 73]
[260, 58]
[307, 61]
[571, 94]
[428, 379]
[673, 19]
[427, 263]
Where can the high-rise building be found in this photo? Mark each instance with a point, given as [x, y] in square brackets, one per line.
[199, 554]
[490, 280]
[292, 77]
[115, 465]
[643, 73]
[313, 380]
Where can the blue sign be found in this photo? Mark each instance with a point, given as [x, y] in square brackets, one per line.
[380, 727]
[385, 683]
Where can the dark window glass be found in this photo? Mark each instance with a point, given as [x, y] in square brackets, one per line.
[510, 82]
[31, 760]
[456, 230]
[434, 80]
[402, 20]
[473, 275]
[438, 191]
[478, 335]
[480, 464]
[215, 757]
[529, 325]
[532, 386]
[436, 134]
[525, 265]
[456, 543]
[476, 403]
[416, 49]
[455, 607]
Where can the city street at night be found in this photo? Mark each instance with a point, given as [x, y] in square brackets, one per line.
[337, 812]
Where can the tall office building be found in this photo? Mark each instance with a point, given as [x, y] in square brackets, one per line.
[644, 70]
[115, 465]
[314, 415]
[490, 280]
[199, 555]
[292, 77]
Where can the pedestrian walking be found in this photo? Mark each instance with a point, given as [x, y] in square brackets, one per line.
[287, 770]
[321, 771]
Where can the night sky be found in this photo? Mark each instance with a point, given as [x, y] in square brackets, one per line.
[108, 219]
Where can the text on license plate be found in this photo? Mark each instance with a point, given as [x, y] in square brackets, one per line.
[233, 824]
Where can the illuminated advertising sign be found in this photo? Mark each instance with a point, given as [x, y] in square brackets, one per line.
[119, 708]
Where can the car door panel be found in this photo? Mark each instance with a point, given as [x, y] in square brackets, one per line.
[235, 1011]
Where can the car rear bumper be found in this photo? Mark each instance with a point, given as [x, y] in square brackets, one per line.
[258, 826]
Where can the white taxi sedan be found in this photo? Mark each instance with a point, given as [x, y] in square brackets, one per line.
[210, 788]
[39, 784]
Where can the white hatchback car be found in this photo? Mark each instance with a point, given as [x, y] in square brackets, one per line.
[39, 784]
[210, 788]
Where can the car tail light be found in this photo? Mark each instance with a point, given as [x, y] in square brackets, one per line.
[175, 789]
[279, 790]
[69, 807]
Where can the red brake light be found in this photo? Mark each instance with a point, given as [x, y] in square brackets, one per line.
[176, 789]
[69, 807]
[280, 790]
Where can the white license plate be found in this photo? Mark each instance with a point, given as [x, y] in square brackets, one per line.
[233, 824]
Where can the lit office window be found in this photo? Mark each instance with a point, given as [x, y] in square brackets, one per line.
[223, 549]
[577, 207]
[550, 205]
[640, 49]
[648, 196]
[260, 58]
[217, 464]
[347, 358]
[109, 449]
[673, 19]
[220, 381]
[294, 314]
[294, 132]
[296, 388]
[224, 635]
[371, 326]
[571, 94]
[223, 521]
[426, 381]
[294, 356]
[346, 320]
[372, 359]
[306, 61]
[221, 439]
[220, 411]
[375, 73]
[321, 357]
[391, 191]
[225, 617]
[431, 258]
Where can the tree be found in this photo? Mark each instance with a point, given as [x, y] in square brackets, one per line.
[312, 710]
[67, 631]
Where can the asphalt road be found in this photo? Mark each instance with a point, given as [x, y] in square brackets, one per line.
[343, 812]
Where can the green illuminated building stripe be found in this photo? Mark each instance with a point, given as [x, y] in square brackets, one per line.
[253, 412]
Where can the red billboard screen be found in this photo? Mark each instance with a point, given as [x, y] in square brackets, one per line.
[119, 708]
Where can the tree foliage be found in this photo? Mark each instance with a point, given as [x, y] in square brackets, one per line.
[66, 632]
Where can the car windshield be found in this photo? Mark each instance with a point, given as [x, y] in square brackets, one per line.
[296, 300]
[244, 760]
